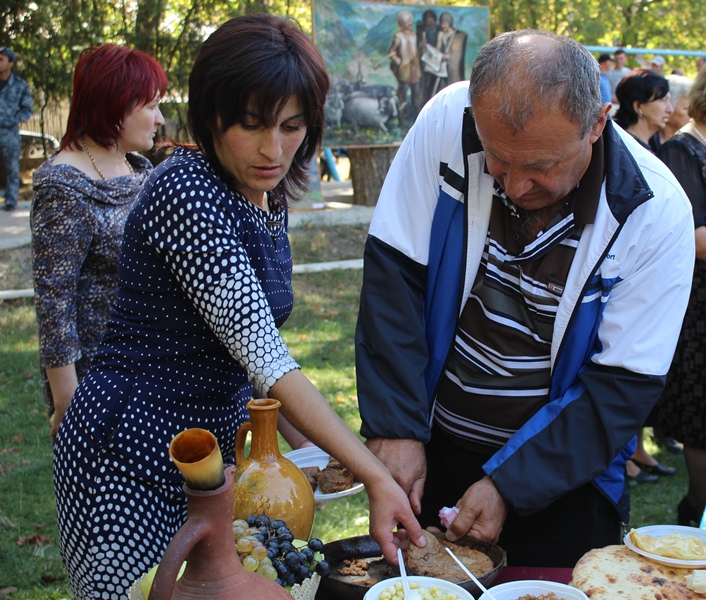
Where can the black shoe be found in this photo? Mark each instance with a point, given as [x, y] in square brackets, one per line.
[657, 469]
[10, 207]
[643, 477]
[673, 446]
[687, 514]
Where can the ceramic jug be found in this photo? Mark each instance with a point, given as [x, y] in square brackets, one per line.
[206, 542]
[266, 482]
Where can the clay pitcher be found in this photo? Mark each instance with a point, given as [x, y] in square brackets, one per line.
[266, 482]
[205, 541]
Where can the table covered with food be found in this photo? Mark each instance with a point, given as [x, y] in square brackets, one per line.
[270, 552]
[664, 562]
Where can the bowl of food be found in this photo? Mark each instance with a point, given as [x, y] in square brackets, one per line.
[357, 564]
[428, 588]
[534, 590]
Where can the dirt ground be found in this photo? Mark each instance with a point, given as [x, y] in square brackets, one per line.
[309, 244]
[16, 263]
[15, 268]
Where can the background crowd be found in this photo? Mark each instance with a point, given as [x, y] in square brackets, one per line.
[667, 115]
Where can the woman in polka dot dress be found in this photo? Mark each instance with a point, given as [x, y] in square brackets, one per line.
[204, 283]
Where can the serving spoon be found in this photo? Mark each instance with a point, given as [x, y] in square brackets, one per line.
[409, 594]
[475, 580]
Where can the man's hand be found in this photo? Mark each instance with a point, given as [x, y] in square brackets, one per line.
[482, 512]
[406, 462]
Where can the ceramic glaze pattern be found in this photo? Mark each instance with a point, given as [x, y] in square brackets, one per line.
[266, 482]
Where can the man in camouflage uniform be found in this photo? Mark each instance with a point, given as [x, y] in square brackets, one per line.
[15, 108]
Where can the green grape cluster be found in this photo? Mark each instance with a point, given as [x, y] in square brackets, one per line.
[267, 546]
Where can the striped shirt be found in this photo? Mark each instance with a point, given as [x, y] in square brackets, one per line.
[498, 372]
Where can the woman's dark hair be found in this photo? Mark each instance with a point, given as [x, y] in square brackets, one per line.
[255, 64]
[109, 83]
[641, 86]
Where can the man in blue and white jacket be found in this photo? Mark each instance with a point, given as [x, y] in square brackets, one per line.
[526, 274]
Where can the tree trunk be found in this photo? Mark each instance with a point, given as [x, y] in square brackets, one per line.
[369, 166]
[149, 16]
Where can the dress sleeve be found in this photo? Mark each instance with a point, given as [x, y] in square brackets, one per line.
[190, 224]
[62, 230]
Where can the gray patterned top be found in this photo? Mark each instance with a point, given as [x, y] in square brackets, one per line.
[77, 227]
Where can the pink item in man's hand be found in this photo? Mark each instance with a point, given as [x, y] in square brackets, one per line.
[447, 516]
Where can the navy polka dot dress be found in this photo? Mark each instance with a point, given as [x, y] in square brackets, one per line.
[204, 283]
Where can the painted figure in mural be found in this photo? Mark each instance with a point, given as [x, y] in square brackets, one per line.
[444, 61]
[427, 30]
[452, 42]
[404, 57]
[427, 34]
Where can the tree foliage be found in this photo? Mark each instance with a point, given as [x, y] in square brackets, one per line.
[675, 24]
[48, 35]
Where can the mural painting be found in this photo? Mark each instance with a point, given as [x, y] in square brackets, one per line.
[387, 60]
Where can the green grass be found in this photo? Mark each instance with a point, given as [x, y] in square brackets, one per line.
[320, 335]
[656, 503]
[29, 554]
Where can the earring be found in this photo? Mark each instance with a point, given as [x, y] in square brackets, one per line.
[640, 114]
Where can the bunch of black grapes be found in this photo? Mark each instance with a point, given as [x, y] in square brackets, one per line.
[267, 547]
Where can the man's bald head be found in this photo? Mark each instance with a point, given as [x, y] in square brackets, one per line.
[530, 72]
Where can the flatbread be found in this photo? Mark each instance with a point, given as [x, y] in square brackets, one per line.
[434, 561]
[616, 572]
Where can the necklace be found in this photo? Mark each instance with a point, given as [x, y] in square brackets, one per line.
[702, 137]
[93, 160]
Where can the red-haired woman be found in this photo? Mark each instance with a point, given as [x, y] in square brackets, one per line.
[205, 281]
[82, 196]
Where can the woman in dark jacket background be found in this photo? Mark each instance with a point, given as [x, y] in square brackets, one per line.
[682, 408]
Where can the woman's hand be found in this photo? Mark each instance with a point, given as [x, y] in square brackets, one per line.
[389, 507]
[63, 383]
[295, 438]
